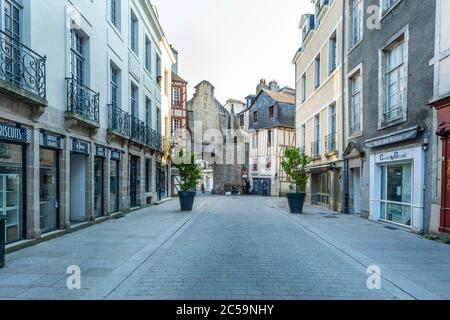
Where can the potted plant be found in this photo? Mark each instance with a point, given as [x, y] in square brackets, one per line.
[190, 174]
[294, 165]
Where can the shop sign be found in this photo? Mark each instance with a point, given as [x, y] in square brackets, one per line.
[14, 133]
[81, 147]
[49, 140]
[116, 155]
[100, 152]
[393, 156]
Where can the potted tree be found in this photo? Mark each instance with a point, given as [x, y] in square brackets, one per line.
[294, 165]
[190, 174]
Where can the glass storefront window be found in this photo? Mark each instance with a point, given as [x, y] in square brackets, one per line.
[98, 187]
[396, 194]
[114, 186]
[48, 190]
[11, 196]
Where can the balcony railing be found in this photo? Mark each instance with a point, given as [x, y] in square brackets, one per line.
[22, 67]
[137, 130]
[330, 143]
[315, 149]
[153, 139]
[82, 101]
[119, 120]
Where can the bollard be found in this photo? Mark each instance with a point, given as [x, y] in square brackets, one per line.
[2, 240]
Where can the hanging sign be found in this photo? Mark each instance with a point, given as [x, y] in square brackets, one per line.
[100, 152]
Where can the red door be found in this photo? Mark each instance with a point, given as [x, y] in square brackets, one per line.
[445, 207]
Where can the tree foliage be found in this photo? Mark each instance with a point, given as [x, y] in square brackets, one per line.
[294, 165]
[189, 171]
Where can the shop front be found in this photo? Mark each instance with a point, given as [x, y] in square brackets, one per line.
[134, 181]
[80, 150]
[99, 163]
[443, 131]
[50, 148]
[396, 187]
[13, 139]
[114, 174]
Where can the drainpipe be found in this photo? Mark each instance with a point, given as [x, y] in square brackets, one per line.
[346, 165]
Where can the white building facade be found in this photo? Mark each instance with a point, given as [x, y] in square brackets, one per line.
[90, 97]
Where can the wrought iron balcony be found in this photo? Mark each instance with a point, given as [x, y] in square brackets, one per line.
[330, 143]
[137, 130]
[22, 67]
[315, 149]
[82, 101]
[119, 120]
[153, 139]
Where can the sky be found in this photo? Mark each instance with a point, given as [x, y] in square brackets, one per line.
[234, 43]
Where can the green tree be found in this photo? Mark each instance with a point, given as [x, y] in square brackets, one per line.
[189, 170]
[294, 165]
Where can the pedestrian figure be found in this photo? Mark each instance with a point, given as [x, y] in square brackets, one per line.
[265, 188]
[203, 188]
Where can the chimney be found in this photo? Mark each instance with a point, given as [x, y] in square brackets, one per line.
[273, 86]
[262, 85]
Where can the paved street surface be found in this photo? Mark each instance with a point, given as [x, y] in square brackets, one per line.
[231, 248]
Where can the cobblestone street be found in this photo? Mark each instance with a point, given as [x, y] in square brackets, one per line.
[228, 248]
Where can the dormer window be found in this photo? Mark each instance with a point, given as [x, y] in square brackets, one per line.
[387, 4]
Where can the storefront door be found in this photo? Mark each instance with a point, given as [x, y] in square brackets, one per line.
[114, 186]
[98, 187]
[396, 193]
[445, 207]
[49, 199]
[133, 181]
[11, 190]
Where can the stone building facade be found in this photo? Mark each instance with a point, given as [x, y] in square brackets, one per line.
[217, 140]
[389, 84]
[319, 102]
[85, 98]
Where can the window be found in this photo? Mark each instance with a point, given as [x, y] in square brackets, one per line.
[303, 139]
[148, 54]
[269, 138]
[271, 112]
[241, 121]
[255, 141]
[158, 120]
[134, 101]
[387, 4]
[316, 144]
[332, 120]
[148, 113]
[356, 22]
[317, 72]
[332, 53]
[134, 36]
[158, 69]
[176, 92]
[176, 125]
[355, 104]
[255, 165]
[303, 84]
[331, 144]
[395, 82]
[255, 116]
[77, 59]
[114, 85]
[115, 13]
[148, 175]
[13, 17]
